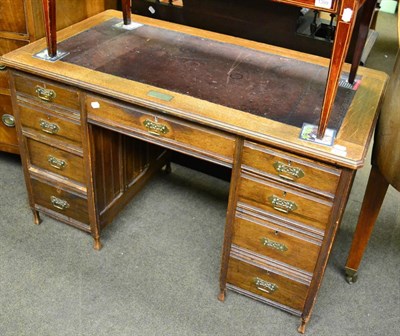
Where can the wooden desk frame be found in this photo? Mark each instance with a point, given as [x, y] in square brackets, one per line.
[93, 101]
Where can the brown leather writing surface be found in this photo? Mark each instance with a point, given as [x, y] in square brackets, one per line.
[278, 88]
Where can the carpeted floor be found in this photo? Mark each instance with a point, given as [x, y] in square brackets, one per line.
[158, 271]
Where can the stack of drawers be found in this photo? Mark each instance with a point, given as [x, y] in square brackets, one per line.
[283, 208]
[51, 139]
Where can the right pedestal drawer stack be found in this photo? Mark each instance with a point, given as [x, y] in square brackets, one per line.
[285, 207]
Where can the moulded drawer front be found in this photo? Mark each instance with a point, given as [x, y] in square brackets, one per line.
[285, 202]
[267, 283]
[50, 125]
[275, 242]
[56, 160]
[290, 168]
[61, 201]
[47, 92]
[163, 129]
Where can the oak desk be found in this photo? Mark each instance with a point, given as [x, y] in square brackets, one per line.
[94, 126]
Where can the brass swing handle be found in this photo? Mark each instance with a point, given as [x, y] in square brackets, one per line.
[45, 94]
[281, 204]
[56, 163]
[287, 171]
[273, 244]
[265, 286]
[155, 128]
[48, 127]
[59, 203]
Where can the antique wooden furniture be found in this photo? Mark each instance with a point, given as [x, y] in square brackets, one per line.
[384, 170]
[346, 11]
[21, 22]
[95, 125]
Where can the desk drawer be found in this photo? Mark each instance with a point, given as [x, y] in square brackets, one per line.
[267, 283]
[56, 127]
[164, 130]
[290, 168]
[61, 201]
[285, 202]
[47, 92]
[276, 242]
[56, 160]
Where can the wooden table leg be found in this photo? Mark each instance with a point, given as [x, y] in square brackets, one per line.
[373, 199]
[49, 10]
[345, 24]
[363, 30]
[126, 11]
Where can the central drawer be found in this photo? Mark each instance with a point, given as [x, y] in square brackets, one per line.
[164, 130]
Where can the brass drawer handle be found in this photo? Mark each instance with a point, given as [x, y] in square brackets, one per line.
[48, 127]
[273, 244]
[287, 172]
[45, 94]
[265, 286]
[282, 205]
[155, 128]
[8, 120]
[56, 163]
[59, 203]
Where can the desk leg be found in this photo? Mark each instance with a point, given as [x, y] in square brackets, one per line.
[344, 29]
[36, 217]
[373, 199]
[365, 22]
[230, 217]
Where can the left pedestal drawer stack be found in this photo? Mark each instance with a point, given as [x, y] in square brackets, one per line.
[58, 158]
[50, 132]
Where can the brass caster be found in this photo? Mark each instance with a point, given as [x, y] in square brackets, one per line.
[351, 275]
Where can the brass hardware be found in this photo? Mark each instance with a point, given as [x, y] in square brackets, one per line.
[2, 67]
[274, 245]
[59, 203]
[56, 163]
[45, 94]
[155, 128]
[8, 120]
[265, 286]
[282, 205]
[288, 172]
[48, 127]
[351, 275]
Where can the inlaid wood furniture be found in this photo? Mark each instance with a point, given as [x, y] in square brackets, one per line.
[384, 170]
[95, 125]
[21, 22]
